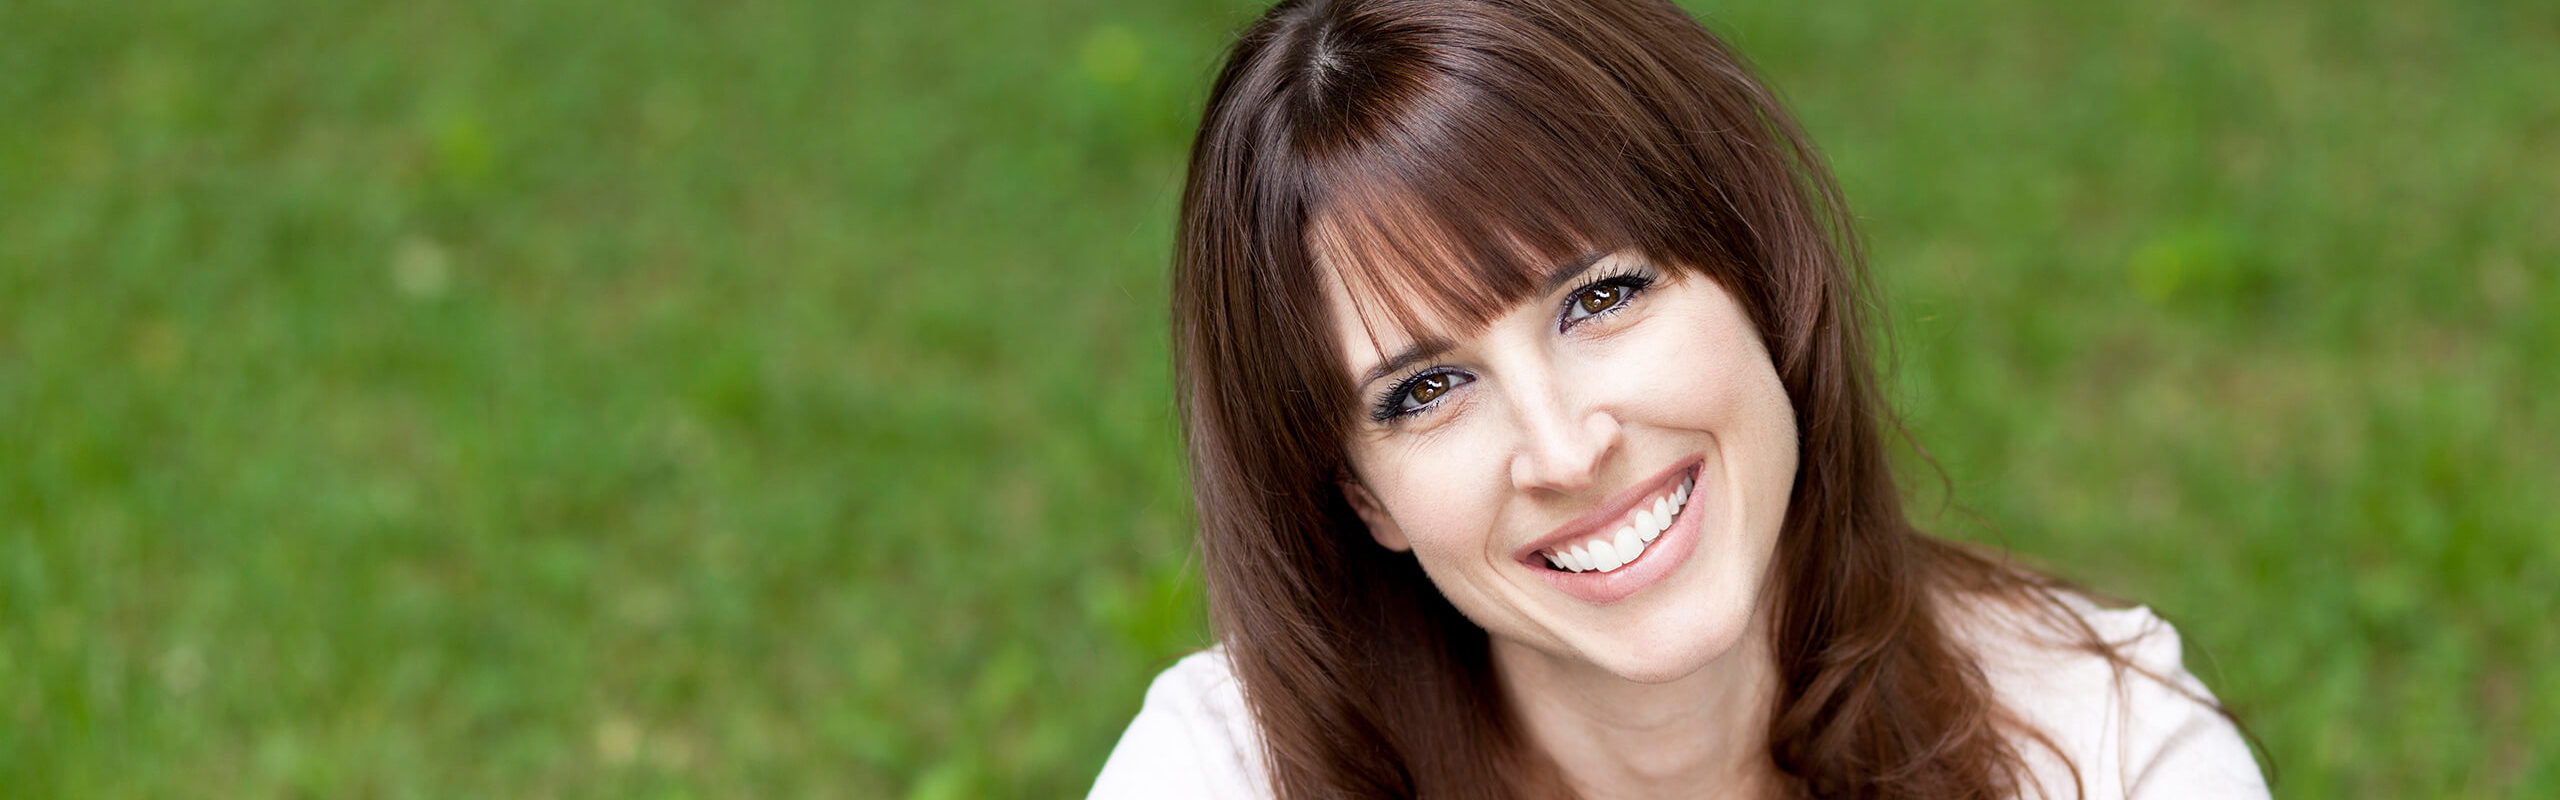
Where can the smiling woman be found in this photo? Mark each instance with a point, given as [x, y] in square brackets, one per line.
[1538, 453]
[1554, 465]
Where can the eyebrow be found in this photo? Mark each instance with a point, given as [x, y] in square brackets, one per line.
[1562, 274]
[1565, 273]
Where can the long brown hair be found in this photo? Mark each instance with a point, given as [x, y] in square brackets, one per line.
[1460, 147]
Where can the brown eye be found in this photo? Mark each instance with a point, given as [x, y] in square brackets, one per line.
[1599, 298]
[1429, 388]
[1418, 393]
[1605, 296]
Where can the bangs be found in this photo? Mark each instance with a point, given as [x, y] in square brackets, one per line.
[1457, 208]
[1439, 167]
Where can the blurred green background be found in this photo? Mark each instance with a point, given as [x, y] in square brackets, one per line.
[640, 398]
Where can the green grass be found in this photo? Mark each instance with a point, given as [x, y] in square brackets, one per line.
[771, 399]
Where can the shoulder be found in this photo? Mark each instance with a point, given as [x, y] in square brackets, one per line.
[1193, 737]
[2143, 728]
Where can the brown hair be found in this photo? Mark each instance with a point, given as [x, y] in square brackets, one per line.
[1447, 152]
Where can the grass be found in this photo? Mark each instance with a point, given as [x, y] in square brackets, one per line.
[771, 399]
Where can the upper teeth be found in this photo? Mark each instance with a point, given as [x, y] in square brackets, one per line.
[1613, 548]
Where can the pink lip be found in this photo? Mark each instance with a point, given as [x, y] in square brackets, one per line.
[1664, 555]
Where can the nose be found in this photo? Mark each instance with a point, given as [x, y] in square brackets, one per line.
[1563, 443]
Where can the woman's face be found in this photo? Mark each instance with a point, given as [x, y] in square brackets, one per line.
[1558, 434]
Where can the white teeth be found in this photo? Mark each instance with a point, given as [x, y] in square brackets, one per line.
[1626, 542]
[1616, 548]
[1604, 555]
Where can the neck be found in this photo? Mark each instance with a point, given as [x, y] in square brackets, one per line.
[1615, 738]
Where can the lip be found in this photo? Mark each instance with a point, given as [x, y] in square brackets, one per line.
[1677, 541]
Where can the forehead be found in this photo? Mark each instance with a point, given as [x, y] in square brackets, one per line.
[1386, 310]
[1380, 300]
[1371, 325]
[1410, 263]
[1398, 265]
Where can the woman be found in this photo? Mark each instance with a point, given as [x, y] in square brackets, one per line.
[1537, 453]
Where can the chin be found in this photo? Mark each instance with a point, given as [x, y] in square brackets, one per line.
[1668, 649]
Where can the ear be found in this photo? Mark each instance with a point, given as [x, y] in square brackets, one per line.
[1381, 527]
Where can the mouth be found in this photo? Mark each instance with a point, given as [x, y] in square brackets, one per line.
[1621, 531]
[1626, 544]
[1613, 548]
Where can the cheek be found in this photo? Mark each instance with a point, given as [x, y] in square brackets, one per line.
[1702, 360]
[1701, 369]
[1440, 517]
[1675, 378]
[1442, 493]
[1732, 390]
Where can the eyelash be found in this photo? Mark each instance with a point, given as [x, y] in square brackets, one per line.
[1635, 283]
[1386, 408]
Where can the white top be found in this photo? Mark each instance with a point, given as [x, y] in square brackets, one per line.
[2133, 738]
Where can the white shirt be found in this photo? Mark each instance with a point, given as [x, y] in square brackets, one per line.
[2130, 738]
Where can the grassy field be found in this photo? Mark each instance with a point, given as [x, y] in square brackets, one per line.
[666, 399]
